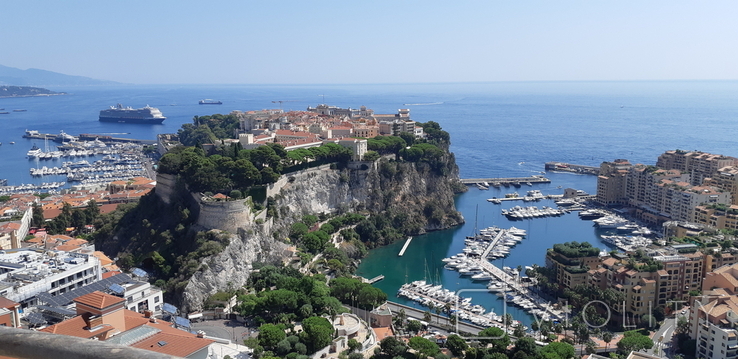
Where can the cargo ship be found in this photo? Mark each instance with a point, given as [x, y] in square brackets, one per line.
[118, 113]
[208, 101]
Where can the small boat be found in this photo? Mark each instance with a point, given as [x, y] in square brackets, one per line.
[12, 142]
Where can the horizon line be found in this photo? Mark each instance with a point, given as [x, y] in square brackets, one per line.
[379, 83]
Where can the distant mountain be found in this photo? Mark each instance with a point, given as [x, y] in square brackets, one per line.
[36, 77]
[22, 91]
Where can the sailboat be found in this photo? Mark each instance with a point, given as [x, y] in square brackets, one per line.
[476, 229]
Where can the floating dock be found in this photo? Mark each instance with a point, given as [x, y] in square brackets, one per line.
[404, 248]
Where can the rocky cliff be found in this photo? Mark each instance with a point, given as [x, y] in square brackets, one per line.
[424, 195]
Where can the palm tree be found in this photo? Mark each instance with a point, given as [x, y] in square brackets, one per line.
[607, 338]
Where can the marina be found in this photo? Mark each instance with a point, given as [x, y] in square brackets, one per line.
[493, 279]
[80, 162]
[491, 242]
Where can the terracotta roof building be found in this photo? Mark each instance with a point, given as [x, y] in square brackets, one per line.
[104, 317]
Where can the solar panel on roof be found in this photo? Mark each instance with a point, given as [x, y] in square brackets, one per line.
[62, 311]
[169, 308]
[117, 288]
[138, 272]
[182, 322]
[64, 299]
[35, 319]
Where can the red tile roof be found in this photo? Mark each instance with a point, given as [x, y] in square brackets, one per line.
[99, 300]
[107, 275]
[177, 345]
[7, 303]
[76, 327]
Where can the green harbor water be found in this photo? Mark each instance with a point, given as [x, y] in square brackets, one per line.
[422, 259]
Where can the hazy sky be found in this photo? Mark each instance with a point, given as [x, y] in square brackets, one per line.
[327, 42]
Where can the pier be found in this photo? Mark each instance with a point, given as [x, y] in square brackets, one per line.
[373, 280]
[507, 180]
[510, 282]
[568, 167]
[404, 248]
[87, 137]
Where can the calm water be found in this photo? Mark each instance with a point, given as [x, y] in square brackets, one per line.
[497, 130]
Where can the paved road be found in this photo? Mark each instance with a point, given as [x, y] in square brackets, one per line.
[419, 312]
[662, 338]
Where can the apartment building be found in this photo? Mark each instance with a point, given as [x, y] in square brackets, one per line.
[699, 165]
[719, 262]
[717, 216]
[25, 273]
[682, 273]
[571, 262]
[713, 325]
[726, 179]
[658, 194]
[644, 287]
[611, 182]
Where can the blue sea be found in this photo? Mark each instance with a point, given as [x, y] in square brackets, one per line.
[497, 130]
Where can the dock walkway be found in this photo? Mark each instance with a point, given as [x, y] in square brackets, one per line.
[404, 248]
[533, 179]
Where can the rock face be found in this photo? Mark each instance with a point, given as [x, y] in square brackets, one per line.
[365, 186]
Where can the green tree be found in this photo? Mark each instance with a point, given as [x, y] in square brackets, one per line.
[495, 336]
[353, 345]
[270, 335]
[423, 347]
[371, 156]
[456, 345]
[414, 326]
[519, 331]
[526, 345]
[317, 333]
[37, 220]
[607, 338]
[392, 347]
[283, 347]
[634, 340]
[558, 350]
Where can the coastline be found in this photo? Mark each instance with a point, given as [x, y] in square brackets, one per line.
[37, 95]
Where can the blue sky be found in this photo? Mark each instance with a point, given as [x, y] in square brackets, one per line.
[344, 42]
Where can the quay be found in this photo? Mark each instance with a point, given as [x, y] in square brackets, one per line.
[568, 167]
[407, 243]
[86, 137]
[507, 180]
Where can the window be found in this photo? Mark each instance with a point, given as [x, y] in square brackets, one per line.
[156, 299]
